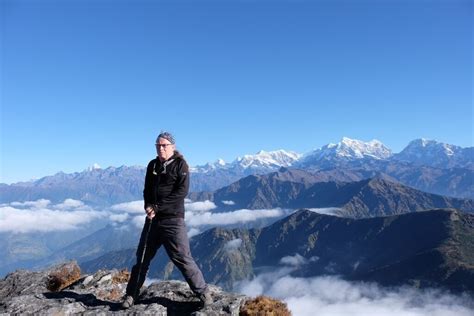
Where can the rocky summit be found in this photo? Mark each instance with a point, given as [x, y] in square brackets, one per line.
[26, 292]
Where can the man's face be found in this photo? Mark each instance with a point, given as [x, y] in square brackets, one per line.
[164, 149]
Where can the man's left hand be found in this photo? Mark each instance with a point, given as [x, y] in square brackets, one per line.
[150, 212]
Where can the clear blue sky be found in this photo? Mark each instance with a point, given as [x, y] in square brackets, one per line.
[86, 82]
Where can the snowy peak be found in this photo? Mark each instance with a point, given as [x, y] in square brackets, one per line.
[270, 159]
[424, 146]
[218, 164]
[358, 149]
[433, 153]
[349, 149]
[93, 167]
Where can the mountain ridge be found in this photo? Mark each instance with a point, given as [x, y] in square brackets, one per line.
[300, 189]
[112, 185]
[422, 249]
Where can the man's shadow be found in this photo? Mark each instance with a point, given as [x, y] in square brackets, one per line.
[172, 307]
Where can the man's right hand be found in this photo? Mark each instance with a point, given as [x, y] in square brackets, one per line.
[150, 212]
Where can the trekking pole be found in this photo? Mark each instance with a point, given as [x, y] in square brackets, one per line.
[143, 257]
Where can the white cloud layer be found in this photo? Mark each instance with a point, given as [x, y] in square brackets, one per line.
[42, 203]
[199, 207]
[120, 218]
[137, 206]
[326, 210]
[129, 207]
[193, 232]
[233, 244]
[139, 221]
[296, 260]
[228, 202]
[33, 216]
[198, 214]
[332, 296]
[69, 204]
[229, 218]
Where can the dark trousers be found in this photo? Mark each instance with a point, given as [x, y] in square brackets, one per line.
[170, 233]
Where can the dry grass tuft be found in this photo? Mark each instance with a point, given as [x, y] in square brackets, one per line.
[121, 277]
[63, 276]
[264, 306]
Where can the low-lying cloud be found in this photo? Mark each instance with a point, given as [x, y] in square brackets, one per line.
[70, 204]
[233, 244]
[136, 207]
[229, 218]
[193, 232]
[203, 213]
[42, 216]
[199, 207]
[119, 218]
[41, 203]
[139, 221]
[199, 215]
[297, 260]
[330, 296]
[334, 211]
[133, 207]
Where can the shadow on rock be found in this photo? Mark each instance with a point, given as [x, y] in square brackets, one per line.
[86, 299]
[90, 300]
[173, 307]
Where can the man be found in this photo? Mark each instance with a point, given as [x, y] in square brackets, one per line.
[166, 186]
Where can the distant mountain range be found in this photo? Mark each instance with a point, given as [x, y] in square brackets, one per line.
[218, 174]
[93, 186]
[425, 249]
[420, 152]
[347, 150]
[292, 188]
[423, 152]
[425, 165]
[287, 188]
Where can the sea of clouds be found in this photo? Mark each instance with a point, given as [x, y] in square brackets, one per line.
[333, 296]
[44, 216]
[203, 215]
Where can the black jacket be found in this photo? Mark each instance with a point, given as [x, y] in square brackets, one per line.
[166, 186]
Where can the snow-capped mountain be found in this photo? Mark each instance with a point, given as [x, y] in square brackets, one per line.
[261, 161]
[346, 150]
[436, 154]
[427, 165]
[94, 166]
[268, 159]
[218, 164]
[95, 187]
[218, 174]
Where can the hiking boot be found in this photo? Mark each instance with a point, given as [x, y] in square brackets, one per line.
[205, 298]
[128, 302]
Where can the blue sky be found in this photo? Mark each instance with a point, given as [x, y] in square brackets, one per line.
[86, 82]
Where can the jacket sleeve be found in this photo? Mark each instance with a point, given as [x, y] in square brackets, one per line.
[148, 187]
[181, 186]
